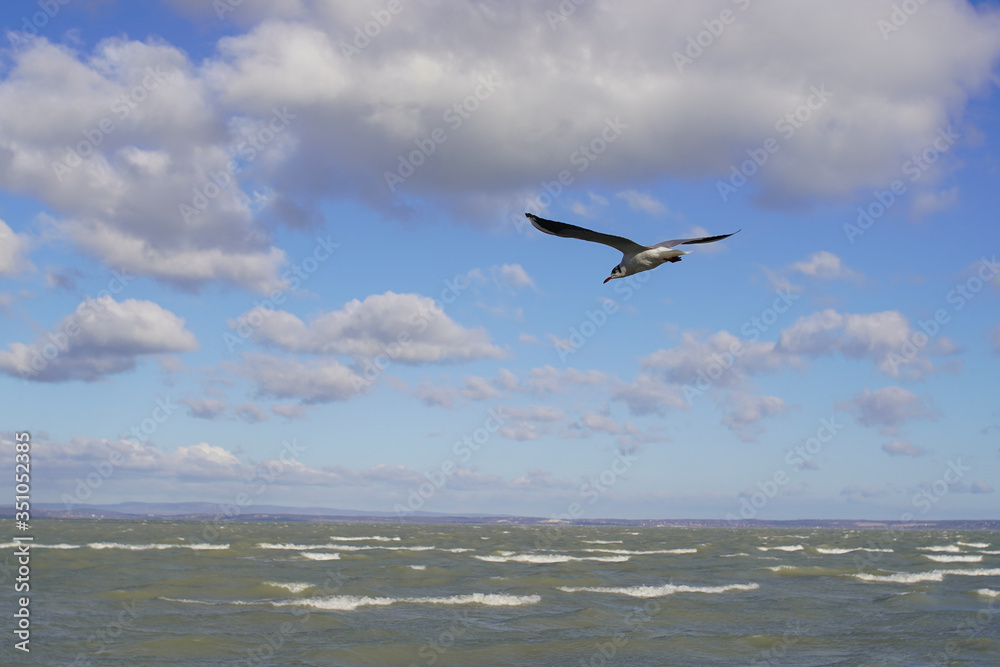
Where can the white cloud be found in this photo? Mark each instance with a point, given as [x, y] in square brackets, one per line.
[885, 339]
[13, 248]
[101, 337]
[887, 408]
[638, 201]
[405, 328]
[902, 448]
[319, 381]
[514, 275]
[824, 265]
[745, 410]
[205, 408]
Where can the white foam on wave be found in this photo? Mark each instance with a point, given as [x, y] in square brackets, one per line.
[315, 555]
[732, 555]
[418, 567]
[602, 541]
[639, 553]
[949, 548]
[990, 553]
[787, 547]
[835, 550]
[933, 575]
[32, 545]
[658, 591]
[974, 545]
[149, 547]
[339, 547]
[954, 559]
[292, 587]
[370, 538]
[988, 592]
[352, 602]
[549, 558]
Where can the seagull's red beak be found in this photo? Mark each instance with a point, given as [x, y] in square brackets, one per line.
[607, 279]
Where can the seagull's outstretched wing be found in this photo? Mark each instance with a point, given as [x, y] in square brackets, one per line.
[564, 230]
[700, 239]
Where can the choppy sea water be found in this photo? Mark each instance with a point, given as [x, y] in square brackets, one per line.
[188, 593]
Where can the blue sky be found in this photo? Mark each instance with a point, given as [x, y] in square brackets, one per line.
[275, 253]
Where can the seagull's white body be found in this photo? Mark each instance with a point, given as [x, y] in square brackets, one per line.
[636, 258]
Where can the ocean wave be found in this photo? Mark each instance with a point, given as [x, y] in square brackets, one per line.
[548, 558]
[974, 545]
[933, 575]
[370, 538]
[293, 587]
[954, 559]
[787, 547]
[658, 591]
[639, 553]
[990, 553]
[32, 545]
[835, 550]
[988, 592]
[313, 555]
[602, 541]
[339, 547]
[949, 548]
[148, 547]
[418, 567]
[352, 602]
[732, 555]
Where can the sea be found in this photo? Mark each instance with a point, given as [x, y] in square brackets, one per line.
[163, 592]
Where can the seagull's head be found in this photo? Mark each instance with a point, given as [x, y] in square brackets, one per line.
[617, 272]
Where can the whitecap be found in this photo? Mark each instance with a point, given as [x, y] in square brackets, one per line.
[974, 545]
[787, 547]
[148, 547]
[602, 541]
[639, 553]
[418, 567]
[836, 550]
[370, 538]
[32, 545]
[988, 592]
[949, 548]
[507, 557]
[352, 602]
[314, 555]
[933, 575]
[954, 559]
[658, 591]
[292, 587]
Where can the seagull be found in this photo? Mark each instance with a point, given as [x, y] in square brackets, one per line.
[635, 257]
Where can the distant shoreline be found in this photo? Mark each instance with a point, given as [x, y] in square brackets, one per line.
[161, 512]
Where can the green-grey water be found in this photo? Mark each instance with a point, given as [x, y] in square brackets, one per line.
[189, 593]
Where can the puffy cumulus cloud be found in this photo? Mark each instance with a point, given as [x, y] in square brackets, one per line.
[886, 339]
[649, 395]
[746, 410]
[285, 114]
[902, 448]
[205, 408]
[824, 265]
[406, 328]
[721, 359]
[545, 380]
[136, 134]
[101, 337]
[887, 408]
[318, 381]
[549, 92]
[13, 250]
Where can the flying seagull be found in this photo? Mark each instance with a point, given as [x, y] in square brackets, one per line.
[635, 258]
